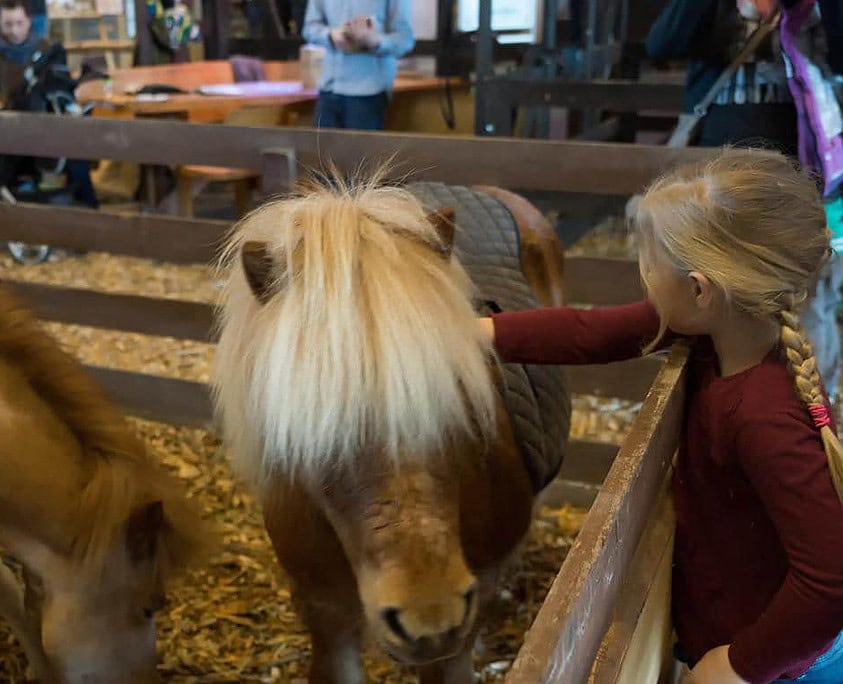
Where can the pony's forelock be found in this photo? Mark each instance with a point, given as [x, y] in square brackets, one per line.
[369, 342]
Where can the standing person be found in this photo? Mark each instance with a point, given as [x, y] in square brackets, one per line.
[18, 44]
[756, 108]
[729, 251]
[364, 39]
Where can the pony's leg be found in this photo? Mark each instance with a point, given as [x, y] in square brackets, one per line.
[324, 588]
[336, 639]
[456, 670]
[12, 610]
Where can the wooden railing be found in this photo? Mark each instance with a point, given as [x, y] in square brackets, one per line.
[589, 608]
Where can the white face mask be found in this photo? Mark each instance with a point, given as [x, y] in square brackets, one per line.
[748, 10]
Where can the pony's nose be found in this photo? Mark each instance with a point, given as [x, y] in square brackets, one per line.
[426, 633]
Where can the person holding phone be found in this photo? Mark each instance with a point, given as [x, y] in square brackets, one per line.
[363, 41]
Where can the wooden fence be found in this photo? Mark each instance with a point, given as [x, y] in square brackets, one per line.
[586, 614]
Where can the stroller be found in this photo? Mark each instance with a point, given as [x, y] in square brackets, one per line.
[46, 86]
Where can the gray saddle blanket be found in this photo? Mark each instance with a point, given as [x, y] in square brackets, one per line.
[488, 245]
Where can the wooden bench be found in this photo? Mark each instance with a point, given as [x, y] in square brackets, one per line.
[191, 178]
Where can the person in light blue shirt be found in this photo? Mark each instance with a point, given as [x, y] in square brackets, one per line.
[364, 39]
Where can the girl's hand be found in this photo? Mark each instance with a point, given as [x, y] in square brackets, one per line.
[714, 668]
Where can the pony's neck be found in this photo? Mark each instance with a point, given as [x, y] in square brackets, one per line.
[41, 465]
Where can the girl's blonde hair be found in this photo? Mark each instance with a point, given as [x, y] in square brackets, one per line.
[754, 225]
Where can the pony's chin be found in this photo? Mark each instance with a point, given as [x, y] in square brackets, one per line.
[419, 660]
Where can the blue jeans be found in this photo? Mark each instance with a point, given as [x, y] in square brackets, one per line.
[827, 669]
[365, 112]
[79, 175]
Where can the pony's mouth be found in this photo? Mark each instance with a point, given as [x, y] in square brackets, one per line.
[420, 654]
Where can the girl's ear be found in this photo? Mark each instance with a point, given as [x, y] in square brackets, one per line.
[702, 289]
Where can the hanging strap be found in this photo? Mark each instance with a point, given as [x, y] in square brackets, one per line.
[688, 124]
[765, 28]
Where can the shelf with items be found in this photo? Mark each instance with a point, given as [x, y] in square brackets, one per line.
[90, 27]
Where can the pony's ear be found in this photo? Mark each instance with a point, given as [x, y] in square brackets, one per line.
[143, 530]
[258, 266]
[444, 221]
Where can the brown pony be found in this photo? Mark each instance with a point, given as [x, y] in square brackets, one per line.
[96, 524]
[356, 390]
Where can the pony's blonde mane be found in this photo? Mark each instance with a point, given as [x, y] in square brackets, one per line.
[119, 475]
[369, 342]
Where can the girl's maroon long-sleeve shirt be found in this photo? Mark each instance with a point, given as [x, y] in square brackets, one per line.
[758, 559]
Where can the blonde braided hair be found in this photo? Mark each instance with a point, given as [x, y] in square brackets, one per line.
[803, 365]
[755, 226]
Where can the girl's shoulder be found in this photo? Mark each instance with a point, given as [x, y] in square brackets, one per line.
[762, 395]
[767, 405]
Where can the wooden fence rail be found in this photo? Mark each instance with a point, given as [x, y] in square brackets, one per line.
[146, 236]
[565, 637]
[614, 169]
[572, 624]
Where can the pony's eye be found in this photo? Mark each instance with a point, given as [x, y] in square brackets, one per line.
[148, 613]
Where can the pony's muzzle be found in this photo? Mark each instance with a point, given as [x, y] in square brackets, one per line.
[415, 637]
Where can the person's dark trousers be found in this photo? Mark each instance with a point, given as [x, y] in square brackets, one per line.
[79, 176]
[365, 112]
[770, 126]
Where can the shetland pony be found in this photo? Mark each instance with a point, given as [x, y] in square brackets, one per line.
[355, 390]
[96, 524]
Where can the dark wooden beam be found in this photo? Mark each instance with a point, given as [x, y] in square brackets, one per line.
[606, 130]
[166, 400]
[144, 50]
[588, 461]
[615, 169]
[216, 27]
[132, 313]
[602, 281]
[146, 236]
[573, 619]
[624, 380]
[184, 402]
[614, 95]
[593, 280]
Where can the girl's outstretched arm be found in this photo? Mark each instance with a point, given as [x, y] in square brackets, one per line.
[569, 336]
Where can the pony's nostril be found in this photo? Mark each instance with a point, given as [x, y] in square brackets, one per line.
[393, 621]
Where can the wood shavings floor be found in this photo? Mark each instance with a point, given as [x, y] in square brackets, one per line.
[232, 620]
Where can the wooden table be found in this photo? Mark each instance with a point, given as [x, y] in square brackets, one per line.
[196, 107]
[417, 103]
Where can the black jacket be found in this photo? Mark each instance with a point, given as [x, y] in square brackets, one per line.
[701, 30]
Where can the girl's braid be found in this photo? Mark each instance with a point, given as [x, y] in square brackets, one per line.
[803, 365]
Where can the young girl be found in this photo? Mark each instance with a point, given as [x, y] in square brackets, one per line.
[729, 252]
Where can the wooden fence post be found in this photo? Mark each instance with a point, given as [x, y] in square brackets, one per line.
[279, 171]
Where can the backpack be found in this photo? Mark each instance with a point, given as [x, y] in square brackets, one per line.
[810, 81]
